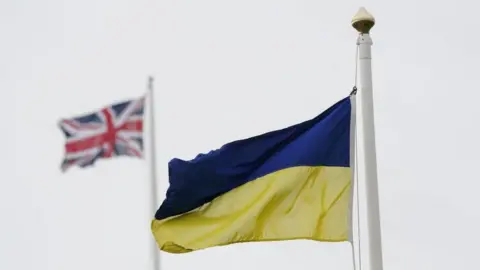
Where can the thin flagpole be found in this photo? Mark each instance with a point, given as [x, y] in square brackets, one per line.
[363, 22]
[153, 171]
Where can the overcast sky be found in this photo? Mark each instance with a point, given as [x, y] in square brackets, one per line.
[227, 70]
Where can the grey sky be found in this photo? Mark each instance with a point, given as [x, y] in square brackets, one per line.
[227, 70]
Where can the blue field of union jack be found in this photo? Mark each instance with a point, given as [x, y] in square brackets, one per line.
[116, 130]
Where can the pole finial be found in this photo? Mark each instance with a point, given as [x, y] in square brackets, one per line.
[363, 21]
[150, 82]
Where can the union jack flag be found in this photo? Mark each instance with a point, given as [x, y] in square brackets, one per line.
[116, 130]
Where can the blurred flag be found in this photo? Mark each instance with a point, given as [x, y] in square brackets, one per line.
[116, 130]
[292, 183]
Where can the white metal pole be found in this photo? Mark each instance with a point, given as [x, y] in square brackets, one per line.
[153, 170]
[363, 22]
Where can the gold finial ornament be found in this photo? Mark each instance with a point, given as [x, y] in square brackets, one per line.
[363, 21]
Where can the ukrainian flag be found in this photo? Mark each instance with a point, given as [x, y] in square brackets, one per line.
[293, 183]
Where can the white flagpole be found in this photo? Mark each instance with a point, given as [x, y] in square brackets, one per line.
[153, 170]
[363, 22]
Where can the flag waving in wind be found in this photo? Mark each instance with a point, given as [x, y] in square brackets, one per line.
[116, 130]
[293, 183]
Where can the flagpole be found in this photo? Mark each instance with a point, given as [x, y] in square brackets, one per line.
[363, 22]
[153, 171]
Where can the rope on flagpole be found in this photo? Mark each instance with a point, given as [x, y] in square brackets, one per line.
[356, 66]
[356, 185]
[357, 194]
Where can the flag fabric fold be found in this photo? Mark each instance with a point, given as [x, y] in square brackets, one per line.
[293, 183]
